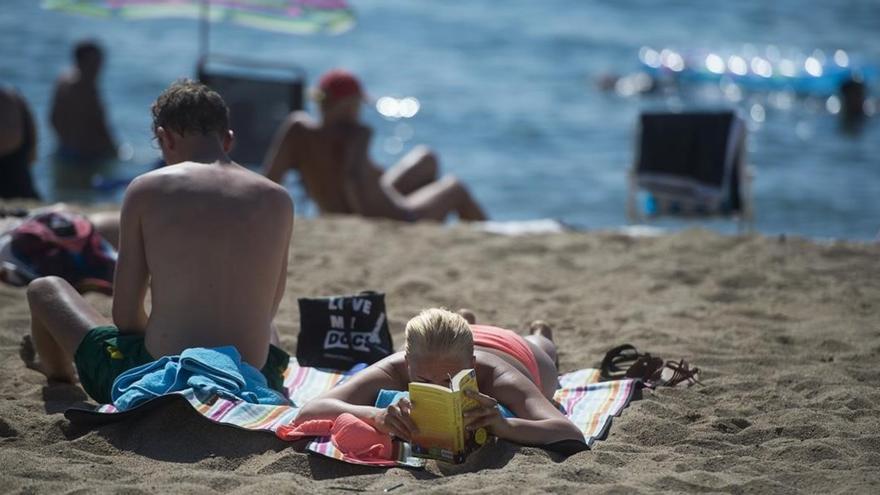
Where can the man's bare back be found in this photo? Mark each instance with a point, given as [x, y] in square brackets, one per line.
[215, 240]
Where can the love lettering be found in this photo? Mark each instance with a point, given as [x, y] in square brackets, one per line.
[358, 306]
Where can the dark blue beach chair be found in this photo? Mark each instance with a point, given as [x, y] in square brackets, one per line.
[260, 96]
[691, 165]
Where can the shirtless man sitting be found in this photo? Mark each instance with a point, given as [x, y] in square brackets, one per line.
[511, 370]
[208, 237]
[332, 157]
[77, 114]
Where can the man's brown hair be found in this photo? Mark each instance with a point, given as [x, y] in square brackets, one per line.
[190, 107]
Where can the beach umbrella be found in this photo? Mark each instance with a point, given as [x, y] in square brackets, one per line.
[286, 16]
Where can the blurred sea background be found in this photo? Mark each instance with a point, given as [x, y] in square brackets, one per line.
[507, 96]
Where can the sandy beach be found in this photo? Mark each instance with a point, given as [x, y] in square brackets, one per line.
[786, 331]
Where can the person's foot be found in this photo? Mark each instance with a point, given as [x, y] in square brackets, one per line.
[28, 354]
[468, 315]
[540, 327]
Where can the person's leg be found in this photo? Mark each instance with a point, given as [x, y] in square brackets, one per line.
[107, 224]
[415, 170]
[544, 349]
[60, 318]
[468, 315]
[541, 335]
[438, 199]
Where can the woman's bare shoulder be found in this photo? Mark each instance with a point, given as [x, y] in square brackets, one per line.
[499, 376]
[393, 366]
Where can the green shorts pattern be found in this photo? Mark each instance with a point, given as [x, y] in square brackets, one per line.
[104, 354]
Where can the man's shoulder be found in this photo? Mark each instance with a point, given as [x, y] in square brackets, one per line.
[205, 176]
[153, 178]
[259, 182]
[301, 118]
[67, 79]
[270, 191]
[186, 176]
[197, 181]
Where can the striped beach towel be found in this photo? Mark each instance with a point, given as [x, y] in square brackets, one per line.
[588, 403]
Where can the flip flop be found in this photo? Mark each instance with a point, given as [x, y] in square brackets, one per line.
[617, 360]
[646, 368]
[625, 361]
[673, 374]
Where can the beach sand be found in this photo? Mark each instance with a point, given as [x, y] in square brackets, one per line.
[786, 331]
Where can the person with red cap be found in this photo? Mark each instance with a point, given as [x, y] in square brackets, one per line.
[332, 158]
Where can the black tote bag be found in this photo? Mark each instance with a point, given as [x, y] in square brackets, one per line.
[340, 331]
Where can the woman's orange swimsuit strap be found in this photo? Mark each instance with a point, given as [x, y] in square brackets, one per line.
[508, 342]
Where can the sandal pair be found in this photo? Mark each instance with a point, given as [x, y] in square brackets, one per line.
[625, 361]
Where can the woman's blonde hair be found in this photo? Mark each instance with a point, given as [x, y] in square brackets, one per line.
[439, 331]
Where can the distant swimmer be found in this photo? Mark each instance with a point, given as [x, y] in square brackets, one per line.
[332, 158]
[853, 101]
[18, 146]
[77, 113]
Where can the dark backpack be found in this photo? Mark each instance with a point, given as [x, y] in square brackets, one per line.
[66, 245]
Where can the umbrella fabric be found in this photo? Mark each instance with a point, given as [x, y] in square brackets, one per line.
[289, 16]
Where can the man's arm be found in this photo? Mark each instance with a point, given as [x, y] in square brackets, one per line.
[132, 274]
[282, 152]
[30, 128]
[287, 212]
[56, 113]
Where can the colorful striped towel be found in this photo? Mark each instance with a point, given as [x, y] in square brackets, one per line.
[588, 403]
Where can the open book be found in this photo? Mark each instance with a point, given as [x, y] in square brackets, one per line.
[437, 412]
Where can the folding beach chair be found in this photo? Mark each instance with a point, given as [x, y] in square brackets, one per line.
[691, 165]
[259, 95]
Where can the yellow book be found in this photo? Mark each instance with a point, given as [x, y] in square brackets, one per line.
[438, 413]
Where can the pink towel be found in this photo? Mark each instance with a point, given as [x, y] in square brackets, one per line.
[354, 437]
[310, 428]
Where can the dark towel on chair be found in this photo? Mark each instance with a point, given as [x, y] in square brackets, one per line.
[691, 156]
[260, 97]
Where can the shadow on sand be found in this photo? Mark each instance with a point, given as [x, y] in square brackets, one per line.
[169, 429]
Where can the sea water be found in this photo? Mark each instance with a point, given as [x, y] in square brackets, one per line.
[507, 97]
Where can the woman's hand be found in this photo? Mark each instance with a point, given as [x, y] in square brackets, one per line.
[487, 414]
[395, 420]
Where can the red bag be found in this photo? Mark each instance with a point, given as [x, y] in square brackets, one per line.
[66, 245]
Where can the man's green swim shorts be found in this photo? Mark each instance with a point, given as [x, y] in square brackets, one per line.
[104, 354]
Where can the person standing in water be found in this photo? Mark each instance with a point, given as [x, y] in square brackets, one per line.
[77, 113]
